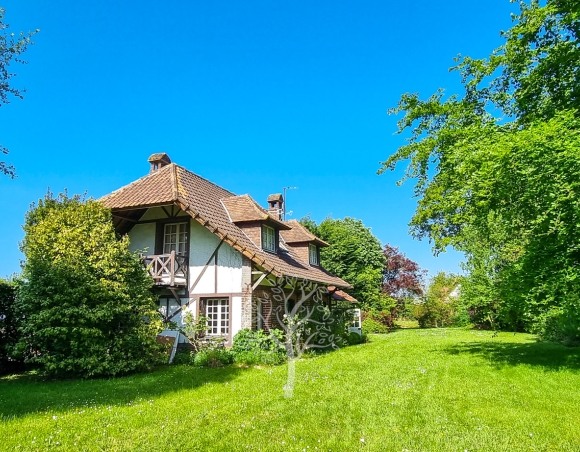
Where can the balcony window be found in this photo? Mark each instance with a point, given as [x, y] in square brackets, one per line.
[175, 238]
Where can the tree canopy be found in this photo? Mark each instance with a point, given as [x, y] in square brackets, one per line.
[402, 277]
[354, 254]
[85, 296]
[11, 47]
[497, 169]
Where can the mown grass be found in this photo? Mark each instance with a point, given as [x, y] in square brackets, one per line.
[411, 390]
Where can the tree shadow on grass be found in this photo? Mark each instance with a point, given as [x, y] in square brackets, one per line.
[29, 394]
[548, 355]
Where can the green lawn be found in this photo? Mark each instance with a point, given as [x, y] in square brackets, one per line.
[411, 390]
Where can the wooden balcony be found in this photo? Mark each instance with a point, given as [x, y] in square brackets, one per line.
[168, 270]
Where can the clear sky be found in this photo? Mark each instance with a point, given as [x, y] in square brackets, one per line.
[252, 95]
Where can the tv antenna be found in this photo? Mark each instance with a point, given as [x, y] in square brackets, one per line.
[284, 209]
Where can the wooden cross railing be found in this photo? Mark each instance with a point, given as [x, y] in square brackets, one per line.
[167, 269]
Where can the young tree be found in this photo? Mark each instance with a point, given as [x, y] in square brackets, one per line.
[87, 307]
[497, 169]
[306, 323]
[354, 254]
[10, 48]
[438, 306]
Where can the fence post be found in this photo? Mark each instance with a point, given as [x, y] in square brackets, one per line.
[172, 267]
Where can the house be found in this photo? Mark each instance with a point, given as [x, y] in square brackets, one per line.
[217, 253]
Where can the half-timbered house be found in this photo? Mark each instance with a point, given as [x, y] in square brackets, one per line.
[212, 251]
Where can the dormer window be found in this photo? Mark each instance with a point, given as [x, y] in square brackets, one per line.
[312, 254]
[268, 238]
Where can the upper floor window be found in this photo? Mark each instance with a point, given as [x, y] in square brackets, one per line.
[312, 254]
[268, 238]
[175, 238]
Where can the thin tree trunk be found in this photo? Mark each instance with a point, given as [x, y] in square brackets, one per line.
[289, 386]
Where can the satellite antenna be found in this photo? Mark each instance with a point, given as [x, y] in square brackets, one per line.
[284, 210]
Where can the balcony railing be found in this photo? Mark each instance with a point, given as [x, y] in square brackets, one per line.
[167, 269]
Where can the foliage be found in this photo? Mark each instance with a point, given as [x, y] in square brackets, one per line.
[372, 326]
[9, 322]
[439, 307]
[354, 254]
[195, 330]
[402, 279]
[85, 296]
[560, 326]
[335, 331]
[183, 356]
[259, 347]
[355, 338]
[11, 47]
[497, 170]
[213, 357]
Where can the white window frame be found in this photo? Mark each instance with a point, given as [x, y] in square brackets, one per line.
[268, 238]
[176, 240]
[217, 310]
[313, 254]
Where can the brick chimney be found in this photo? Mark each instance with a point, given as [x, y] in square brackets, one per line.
[276, 205]
[158, 161]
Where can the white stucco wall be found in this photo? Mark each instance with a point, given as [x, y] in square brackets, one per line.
[142, 238]
[202, 245]
[229, 269]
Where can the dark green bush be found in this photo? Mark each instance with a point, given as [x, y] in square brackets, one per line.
[183, 356]
[560, 325]
[355, 338]
[213, 357]
[9, 322]
[258, 347]
[86, 297]
[372, 326]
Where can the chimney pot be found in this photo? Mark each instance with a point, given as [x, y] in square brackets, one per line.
[158, 161]
[276, 205]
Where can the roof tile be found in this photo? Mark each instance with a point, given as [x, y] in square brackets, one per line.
[206, 202]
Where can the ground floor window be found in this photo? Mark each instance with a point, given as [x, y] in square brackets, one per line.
[217, 310]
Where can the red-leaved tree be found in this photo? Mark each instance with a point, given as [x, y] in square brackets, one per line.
[402, 277]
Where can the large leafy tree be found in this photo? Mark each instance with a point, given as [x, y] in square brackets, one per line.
[11, 47]
[85, 296]
[354, 254]
[497, 168]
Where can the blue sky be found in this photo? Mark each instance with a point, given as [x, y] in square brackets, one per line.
[252, 95]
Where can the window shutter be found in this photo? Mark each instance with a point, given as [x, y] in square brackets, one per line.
[159, 229]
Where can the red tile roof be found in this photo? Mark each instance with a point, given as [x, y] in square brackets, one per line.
[204, 201]
[300, 234]
[243, 208]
